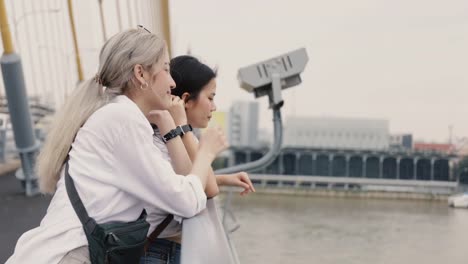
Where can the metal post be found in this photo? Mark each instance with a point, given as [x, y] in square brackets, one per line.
[18, 107]
[415, 169]
[364, 166]
[314, 164]
[296, 162]
[103, 22]
[6, 34]
[398, 159]
[119, 15]
[248, 155]
[381, 160]
[451, 170]
[432, 169]
[166, 25]
[75, 41]
[348, 160]
[280, 166]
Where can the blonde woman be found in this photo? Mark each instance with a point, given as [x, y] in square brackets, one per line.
[104, 131]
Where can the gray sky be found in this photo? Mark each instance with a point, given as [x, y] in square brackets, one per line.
[402, 60]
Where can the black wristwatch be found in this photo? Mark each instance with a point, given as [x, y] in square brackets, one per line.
[178, 131]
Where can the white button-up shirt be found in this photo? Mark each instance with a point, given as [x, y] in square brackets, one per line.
[154, 217]
[117, 172]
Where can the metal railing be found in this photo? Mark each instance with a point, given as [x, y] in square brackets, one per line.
[348, 183]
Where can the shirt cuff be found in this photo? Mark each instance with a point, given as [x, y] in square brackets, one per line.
[199, 192]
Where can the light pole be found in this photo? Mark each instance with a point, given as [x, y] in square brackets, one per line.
[18, 107]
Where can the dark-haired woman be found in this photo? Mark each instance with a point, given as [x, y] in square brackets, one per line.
[193, 104]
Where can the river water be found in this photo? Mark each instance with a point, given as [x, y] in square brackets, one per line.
[300, 229]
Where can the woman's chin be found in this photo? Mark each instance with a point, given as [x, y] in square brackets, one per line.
[202, 126]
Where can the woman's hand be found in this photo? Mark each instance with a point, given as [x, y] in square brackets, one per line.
[163, 119]
[212, 142]
[240, 179]
[177, 110]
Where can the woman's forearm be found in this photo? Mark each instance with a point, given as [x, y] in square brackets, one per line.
[191, 145]
[180, 159]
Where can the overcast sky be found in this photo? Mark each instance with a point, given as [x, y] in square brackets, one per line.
[401, 60]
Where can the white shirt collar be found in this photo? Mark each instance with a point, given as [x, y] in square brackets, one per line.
[123, 99]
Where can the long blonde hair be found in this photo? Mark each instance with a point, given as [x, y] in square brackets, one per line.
[117, 58]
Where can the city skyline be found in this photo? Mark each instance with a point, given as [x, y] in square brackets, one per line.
[297, 129]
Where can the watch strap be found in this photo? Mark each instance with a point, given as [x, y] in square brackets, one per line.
[178, 131]
[170, 135]
[186, 128]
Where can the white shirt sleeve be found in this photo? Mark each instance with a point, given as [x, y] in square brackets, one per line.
[151, 178]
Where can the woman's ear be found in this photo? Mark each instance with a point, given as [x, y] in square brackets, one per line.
[185, 97]
[138, 73]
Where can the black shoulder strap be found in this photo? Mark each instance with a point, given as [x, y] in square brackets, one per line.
[88, 223]
[154, 235]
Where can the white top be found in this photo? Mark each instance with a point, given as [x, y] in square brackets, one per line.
[175, 226]
[117, 172]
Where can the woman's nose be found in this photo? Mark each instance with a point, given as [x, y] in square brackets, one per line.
[213, 107]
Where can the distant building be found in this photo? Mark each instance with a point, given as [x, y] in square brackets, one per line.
[385, 164]
[336, 133]
[359, 148]
[243, 124]
[463, 150]
[434, 147]
[219, 119]
[401, 141]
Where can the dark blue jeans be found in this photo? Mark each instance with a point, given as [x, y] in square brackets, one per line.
[162, 251]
